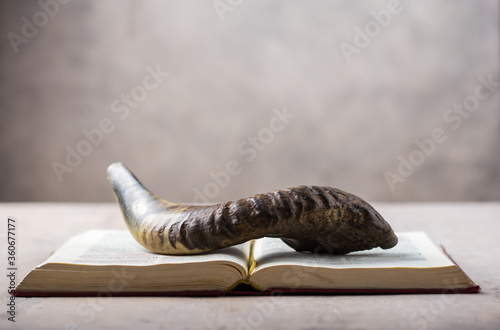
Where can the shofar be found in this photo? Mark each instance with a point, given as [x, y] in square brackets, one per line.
[315, 219]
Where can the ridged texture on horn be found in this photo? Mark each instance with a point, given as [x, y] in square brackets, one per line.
[315, 219]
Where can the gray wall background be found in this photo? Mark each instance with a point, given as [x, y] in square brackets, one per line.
[353, 121]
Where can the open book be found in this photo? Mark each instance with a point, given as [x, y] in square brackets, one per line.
[111, 262]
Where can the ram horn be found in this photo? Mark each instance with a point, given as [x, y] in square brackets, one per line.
[307, 218]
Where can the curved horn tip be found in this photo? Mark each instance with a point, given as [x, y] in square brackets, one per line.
[114, 166]
[116, 170]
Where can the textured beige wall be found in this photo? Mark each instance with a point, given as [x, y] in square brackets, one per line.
[344, 121]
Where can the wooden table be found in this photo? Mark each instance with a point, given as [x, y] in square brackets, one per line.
[469, 231]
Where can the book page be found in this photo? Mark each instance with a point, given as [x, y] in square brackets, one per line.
[414, 249]
[118, 247]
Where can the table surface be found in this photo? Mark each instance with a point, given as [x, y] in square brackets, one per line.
[468, 231]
